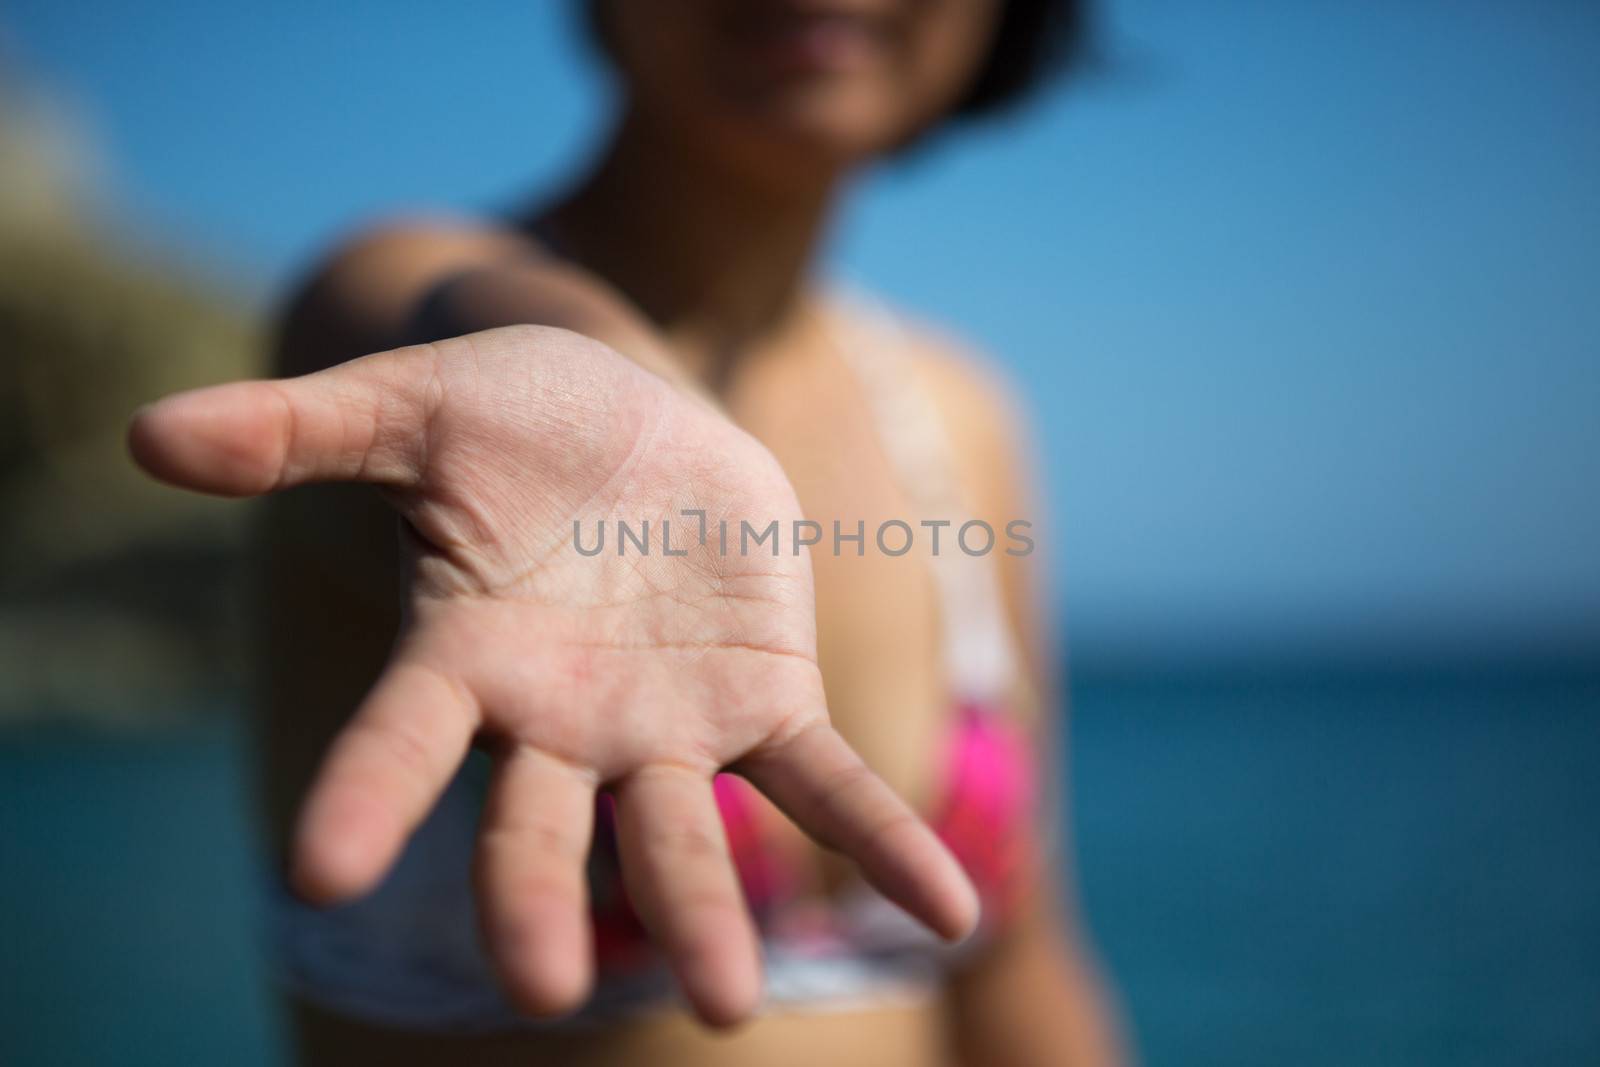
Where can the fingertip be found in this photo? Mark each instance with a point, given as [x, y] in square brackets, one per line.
[324, 878]
[546, 1002]
[920, 874]
[338, 855]
[954, 906]
[219, 440]
[545, 987]
[724, 988]
[726, 1013]
[544, 957]
[961, 911]
[144, 439]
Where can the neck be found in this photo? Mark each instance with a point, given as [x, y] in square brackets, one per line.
[716, 255]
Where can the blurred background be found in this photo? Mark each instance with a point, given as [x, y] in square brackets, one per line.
[1306, 299]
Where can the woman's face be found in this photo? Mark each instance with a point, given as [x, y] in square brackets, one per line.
[819, 81]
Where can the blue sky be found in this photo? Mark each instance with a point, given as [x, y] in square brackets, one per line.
[1303, 295]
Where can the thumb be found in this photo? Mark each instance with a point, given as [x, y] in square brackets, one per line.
[361, 421]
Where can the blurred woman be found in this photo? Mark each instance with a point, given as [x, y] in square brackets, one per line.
[654, 346]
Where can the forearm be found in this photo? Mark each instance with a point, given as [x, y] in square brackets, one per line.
[546, 293]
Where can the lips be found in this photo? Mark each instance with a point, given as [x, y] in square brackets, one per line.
[799, 38]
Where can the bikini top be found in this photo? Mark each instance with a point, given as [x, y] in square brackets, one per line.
[408, 954]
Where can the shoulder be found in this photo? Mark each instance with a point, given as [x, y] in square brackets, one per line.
[358, 296]
[392, 257]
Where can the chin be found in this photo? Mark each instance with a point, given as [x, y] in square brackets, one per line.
[823, 125]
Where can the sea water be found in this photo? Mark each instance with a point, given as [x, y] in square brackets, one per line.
[1296, 870]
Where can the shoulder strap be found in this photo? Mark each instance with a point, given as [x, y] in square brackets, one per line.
[980, 654]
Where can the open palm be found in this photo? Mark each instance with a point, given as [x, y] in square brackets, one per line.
[506, 452]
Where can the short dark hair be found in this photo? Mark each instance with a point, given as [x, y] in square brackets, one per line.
[1035, 41]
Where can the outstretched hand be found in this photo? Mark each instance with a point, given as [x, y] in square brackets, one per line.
[643, 674]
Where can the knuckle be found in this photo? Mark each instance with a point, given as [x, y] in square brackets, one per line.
[401, 745]
[791, 727]
[537, 837]
[696, 918]
[691, 843]
[713, 909]
[891, 824]
[847, 784]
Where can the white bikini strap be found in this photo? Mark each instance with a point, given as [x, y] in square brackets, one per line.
[980, 654]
